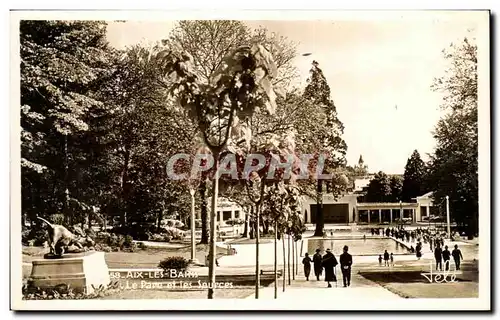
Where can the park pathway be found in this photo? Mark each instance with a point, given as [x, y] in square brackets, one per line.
[336, 297]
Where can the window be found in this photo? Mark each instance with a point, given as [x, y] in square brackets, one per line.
[226, 215]
[237, 214]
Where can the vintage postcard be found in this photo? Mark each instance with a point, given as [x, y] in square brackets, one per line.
[259, 160]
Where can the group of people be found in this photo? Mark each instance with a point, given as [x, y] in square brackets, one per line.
[386, 259]
[328, 262]
[444, 255]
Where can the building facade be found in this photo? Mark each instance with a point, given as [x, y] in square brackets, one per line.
[346, 209]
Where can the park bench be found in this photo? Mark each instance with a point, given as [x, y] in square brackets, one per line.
[263, 272]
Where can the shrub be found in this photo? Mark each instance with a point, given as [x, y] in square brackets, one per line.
[65, 292]
[171, 223]
[197, 223]
[103, 247]
[57, 218]
[128, 241]
[157, 237]
[90, 232]
[34, 237]
[175, 263]
[174, 233]
[234, 222]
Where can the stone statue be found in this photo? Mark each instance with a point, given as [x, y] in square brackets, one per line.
[61, 241]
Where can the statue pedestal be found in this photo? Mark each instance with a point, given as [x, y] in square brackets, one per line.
[79, 271]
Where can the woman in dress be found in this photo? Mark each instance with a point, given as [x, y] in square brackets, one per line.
[307, 265]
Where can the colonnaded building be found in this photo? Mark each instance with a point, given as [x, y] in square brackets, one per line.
[345, 209]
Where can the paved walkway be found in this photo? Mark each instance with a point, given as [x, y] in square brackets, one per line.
[317, 291]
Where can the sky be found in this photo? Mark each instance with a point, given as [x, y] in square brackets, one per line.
[379, 72]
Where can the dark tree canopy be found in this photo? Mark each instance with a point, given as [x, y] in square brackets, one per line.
[414, 177]
[453, 168]
[379, 188]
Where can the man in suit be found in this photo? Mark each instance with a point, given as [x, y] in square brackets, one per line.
[438, 255]
[446, 258]
[457, 256]
[317, 261]
[345, 265]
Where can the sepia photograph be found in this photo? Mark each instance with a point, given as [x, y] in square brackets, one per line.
[263, 160]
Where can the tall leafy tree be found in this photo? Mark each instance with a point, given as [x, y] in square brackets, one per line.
[453, 167]
[208, 42]
[141, 121]
[379, 188]
[414, 177]
[63, 63]
[329, 140]
[222, 109]
[396, 183]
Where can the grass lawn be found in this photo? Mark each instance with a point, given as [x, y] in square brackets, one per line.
[411, 284]
[252, 241]
[434, 290]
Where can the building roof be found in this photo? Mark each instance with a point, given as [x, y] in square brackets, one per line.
[426, 195]
[381, 205]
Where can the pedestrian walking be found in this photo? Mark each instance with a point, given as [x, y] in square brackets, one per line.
[386, 258]
[379, 259]
[392, 259]
[419, 250]
[438, 256]
[446, 258]
[317, 261]
[329, 263]
[307, 265]
[345, 265]
[457, 256]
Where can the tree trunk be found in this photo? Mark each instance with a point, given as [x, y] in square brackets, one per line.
[265, 226]
[213, 217]
[124, 187]
[204, 215]
[320, 224]
[252, 223]
[160, 217]
[66, 210]
[289, 275]
[257, 238]
[293, 260]
[296, 258]
[245, 231]
[275, 260]
[284, 262]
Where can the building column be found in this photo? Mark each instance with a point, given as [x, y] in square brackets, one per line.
[232, 214]
[379, 215]
[390, 218]
[427, 211]
[414, 215]
[368, 216]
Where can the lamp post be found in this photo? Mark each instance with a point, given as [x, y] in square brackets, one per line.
[192, 191]
[448, 229]
[401, 213]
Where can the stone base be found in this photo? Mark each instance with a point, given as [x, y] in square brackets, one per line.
[79, 271]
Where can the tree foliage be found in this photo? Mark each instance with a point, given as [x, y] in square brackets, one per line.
[379, 188]
[414, 177]
[327, 139]
[63, 64]
[453, 167]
